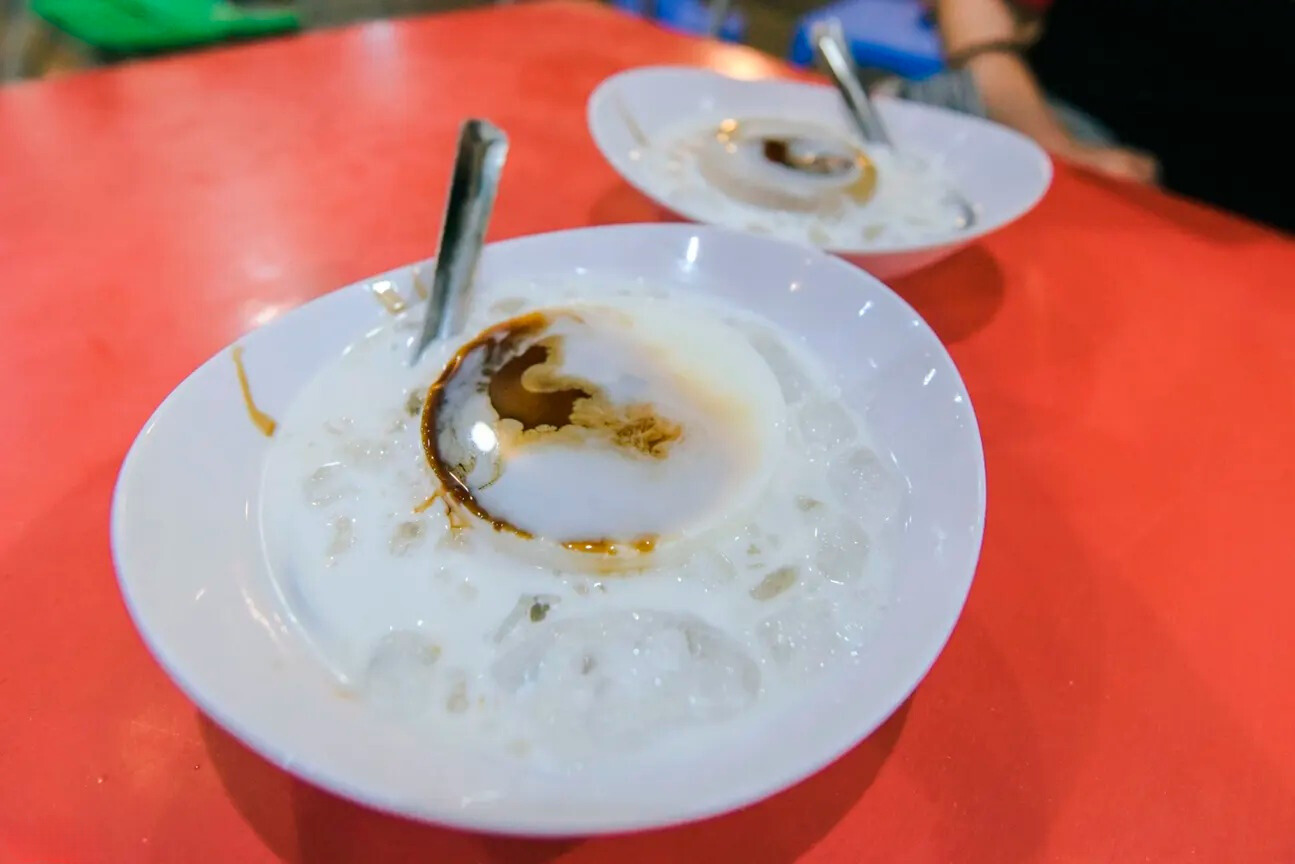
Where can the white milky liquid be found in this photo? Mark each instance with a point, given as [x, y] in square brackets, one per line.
[448, 632]
[911, 204]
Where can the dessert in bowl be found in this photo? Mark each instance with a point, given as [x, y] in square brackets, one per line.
[672, 497]
[716, 150]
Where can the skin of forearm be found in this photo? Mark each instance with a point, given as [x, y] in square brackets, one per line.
[1010, 91]
[964, 23]
[1012, 96]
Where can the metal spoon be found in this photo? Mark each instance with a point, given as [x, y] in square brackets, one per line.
[829, 41]
[483, 147]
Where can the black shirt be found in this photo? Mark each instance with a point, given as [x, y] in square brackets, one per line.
[1205, 85]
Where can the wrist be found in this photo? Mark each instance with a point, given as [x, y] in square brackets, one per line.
[960, 57]
[1058, 143]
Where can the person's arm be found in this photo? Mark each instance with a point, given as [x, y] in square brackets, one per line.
[1007, 86]
[1012, 94]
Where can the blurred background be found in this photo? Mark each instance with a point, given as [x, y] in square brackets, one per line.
[1188, 95]
[34, 47]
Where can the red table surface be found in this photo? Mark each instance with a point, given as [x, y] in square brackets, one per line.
[1120, 688]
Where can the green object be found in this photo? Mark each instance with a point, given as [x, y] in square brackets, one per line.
[137, 26]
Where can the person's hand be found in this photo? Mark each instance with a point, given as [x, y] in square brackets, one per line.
[1121, 163]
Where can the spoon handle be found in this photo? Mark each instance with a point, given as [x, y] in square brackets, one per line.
[830, 43]
[483, 147]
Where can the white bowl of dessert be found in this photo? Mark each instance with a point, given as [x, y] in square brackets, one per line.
[715, 150]
[680, 516]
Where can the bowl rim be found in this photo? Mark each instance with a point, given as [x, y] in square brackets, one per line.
[604, 92]
[336, 780]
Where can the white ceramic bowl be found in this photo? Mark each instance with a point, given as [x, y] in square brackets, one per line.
[188, 551]
[1001, 173]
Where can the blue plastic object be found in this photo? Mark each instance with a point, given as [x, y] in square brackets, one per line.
[689, 16]
[896, 36]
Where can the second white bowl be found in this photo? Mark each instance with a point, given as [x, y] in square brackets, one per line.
[1002, 173]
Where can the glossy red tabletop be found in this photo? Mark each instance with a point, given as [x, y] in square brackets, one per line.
[1121, 687]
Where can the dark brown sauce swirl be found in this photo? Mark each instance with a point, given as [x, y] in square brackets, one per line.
[496, 342]
[547, 402]
[512, 400]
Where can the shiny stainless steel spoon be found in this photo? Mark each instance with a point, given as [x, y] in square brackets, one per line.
[482, 149]
[829, 41]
